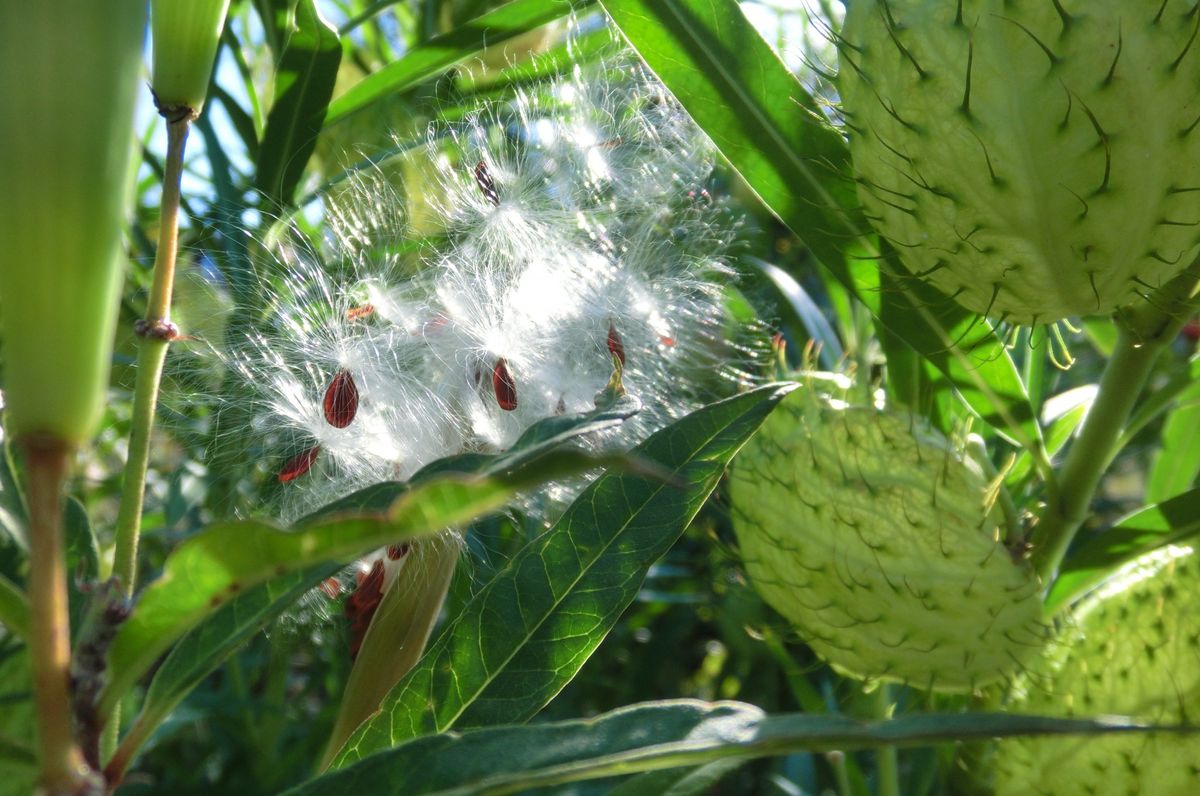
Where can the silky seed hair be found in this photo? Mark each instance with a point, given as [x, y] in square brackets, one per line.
[571, 232]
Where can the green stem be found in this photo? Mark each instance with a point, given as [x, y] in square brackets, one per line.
[61, 766]
[156, 332]
[1142, 334]
[887, 764]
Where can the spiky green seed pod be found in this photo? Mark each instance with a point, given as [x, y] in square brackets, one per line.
[185, 37]
[873, 535]
[1132, 649]
[69, 82]
[1034, 159]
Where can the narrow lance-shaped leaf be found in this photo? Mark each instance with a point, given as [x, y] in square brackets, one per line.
[652, 736]
[210, 569]
[304, 84]
[1171, 522]
[524, 636]
[772, 131]
[432, 58]
[217, 636]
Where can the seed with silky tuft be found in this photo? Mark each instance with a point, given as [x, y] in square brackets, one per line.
[1034, 160]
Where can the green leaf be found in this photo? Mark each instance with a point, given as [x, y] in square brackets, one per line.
[432, 58]
[684, 781]
[1063, 413]
[211, 568]
[304, 82]
[1169, 522]
[211, 642]
[14, 609]
[772, 131]
[1177, 461]
[523, 637]
[652, 736]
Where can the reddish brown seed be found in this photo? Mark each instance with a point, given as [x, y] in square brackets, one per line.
[666, 340]
[354, 313]
[503, 385]
[298, 465]
[615, 346]
[332, 588]
[341, 400]
[487, 186]
[397, 551]
[361, 606]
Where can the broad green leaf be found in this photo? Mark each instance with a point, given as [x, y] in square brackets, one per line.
[773, 132]
[652, 736]
[523, 637]
[1170, 522]
[432, 58]
[14, 609]
[211, 568]
[211, 642]
[685, 781]
[1177, 461]
[304, 83]
[531, 459]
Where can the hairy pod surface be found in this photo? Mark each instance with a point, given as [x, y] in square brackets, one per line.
[1132, 648]
[871, 533]
[1033, 159]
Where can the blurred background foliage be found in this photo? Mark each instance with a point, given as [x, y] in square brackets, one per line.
[696, 630]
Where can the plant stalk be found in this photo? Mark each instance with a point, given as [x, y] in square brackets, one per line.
[155, 332]
[887, 764]
[1142, 334]
[62, 768]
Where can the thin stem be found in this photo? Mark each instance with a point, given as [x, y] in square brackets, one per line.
[155, 333]
[887, 765]
[62, 769]
[1142, 334]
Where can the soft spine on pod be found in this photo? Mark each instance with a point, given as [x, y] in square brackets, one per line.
[1034, 160]
[1131, 648]
[871, 533]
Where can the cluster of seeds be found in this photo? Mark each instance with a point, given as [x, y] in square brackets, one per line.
[561, 235]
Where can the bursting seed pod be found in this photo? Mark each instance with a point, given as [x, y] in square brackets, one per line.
[556, 238]
[1034, 160]
[872, 534]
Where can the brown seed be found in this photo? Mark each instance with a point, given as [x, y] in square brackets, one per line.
[341, 400]
[503, 385]
[397, 551]
[615, 346]
[354, 313]
[298, 465]
[362, 604]
[487, 186]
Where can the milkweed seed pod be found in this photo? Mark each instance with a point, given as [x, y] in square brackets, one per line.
[1035, 160]
[68, 76]
[872, 534]
[185, 34]
[1132, 648]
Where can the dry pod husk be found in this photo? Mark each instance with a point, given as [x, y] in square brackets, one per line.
[1132, 648]
[873, 535]
[1034, 159]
